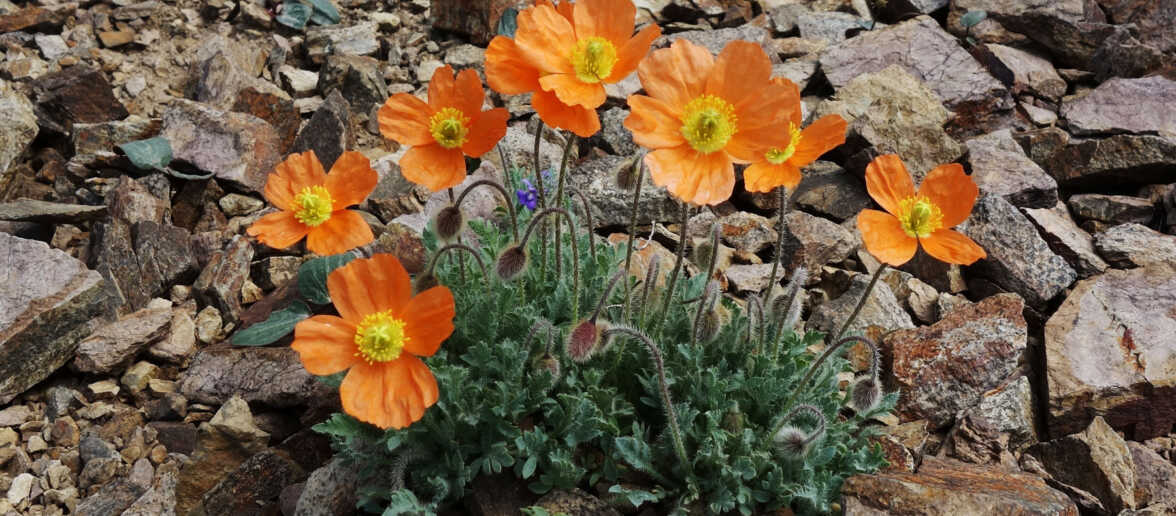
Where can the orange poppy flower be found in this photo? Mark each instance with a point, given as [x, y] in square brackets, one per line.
[943, 201]
[780, 165]
[450, 126]
[382, 331]
[313, 202]
[703, 113]
[565, 55]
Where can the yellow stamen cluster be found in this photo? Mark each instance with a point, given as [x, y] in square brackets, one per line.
[777, 156]
[708, 123]
[449, 127]
[314, 205]
[919, 216]
[593, 59]
[380, 338]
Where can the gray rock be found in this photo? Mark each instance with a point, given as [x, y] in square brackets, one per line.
[813, 242]
[1149, 16]
[1155, 477]
[355, 40]
[892, 111]
[1000, 167]
[829, 26]
[1125, 105]
[236, 204]
[1061, 27]
[947, 367]
[46, 300]
[358, 78]
[235, 147]
[1109, 352]
[142, 261]
[112, 347]
[715, 40]
[751, 278]
[1009, 410]
[221, 281]
[160, 500]
[612, 205]
[465, 56]
[425, 70]
[1122, 55]
[882, 310]
[328, 491]
[112, 498]
[303, 83]
[1067, 240]
[131, 201]
[30, 210]
[52, 46]
[222, 66]
[1112, 209]
[613, 132]
[19, 125]
[1024, 71]
[786, 17]
[749, 233]
[1134, 245]
[829, 190]
[1096, 460]
[1102, 162]
[1040, 116]
[925, 51]
[273, 376]
[329, 132]
[519, 143]
[1018, 259]
[797, 70]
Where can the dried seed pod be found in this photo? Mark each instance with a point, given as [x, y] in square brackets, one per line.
[511, 263]
[449, 222]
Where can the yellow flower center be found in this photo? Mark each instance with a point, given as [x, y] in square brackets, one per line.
[919, 216]
[450, 127]
[380, 338]
[708, 123]
[593, 59]
[777, 156]
[314, 205]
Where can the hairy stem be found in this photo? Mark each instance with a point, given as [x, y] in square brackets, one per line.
[460, 259]
[633, 232]
[543, 214]
[612, 282]
[816, 365]
[588, 218]
[685, 220]
[460, 247]
[542, 197]
[861, 302]
[514, 221]
[704, 304]
[663, 386]
[759, 307]
[563, 165]
[781, 209]
[651, 274]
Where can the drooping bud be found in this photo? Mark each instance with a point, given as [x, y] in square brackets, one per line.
[549, 363]
[703, 250]
[792, 441]
[585, 341]
[865, 394]
[511, 262]
[449, 222]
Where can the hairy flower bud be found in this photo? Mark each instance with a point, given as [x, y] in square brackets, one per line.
[549, 363]
[865, 394]
[792, 441]
[449, 222]
[511, 262]
[585, 341]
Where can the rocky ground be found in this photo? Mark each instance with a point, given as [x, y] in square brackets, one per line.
[1041, 380]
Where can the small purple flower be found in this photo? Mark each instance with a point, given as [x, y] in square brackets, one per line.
[528, 196]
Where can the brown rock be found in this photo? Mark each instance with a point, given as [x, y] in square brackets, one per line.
[1024, 71]
[278, 111]
[1102, 162]
[225, 442]
[254, 484]
[233, 146]
[1112, 209]
[1067, 240]
[1096, 460]
[404, 243]
[1135, 245]
[220, 283]
[1155, 476]
[77, 94]
[113, 346]
[329, 132]
[116, 38]
[575, 501]
[947, 367]
[1000, 167]
[1109, 351]
[32, 19]
[273, 376]
[947, 487]
[477, 19]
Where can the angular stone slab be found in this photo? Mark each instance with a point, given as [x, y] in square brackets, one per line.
[273, 376]
[46, 300]
[1141, 105]
[1110, 350]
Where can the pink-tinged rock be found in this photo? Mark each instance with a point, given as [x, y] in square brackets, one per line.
[947, 367]
[1141, 105]
[232, 146]
[945, 487]
[1095, 460]
[1110, 351]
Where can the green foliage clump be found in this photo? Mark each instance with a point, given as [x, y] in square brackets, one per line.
[511, 399]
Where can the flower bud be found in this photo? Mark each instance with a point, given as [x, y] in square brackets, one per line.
[585, 341]
[792, 441]
[865, 394]
[549, 363]
[449, 223]
[511, 262]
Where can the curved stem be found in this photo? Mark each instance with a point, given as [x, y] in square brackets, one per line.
[685, 220]
[663, 386]
[612, 282]
[460, 260]
[633, 232]
[792, 294]
[861, 302]
[816, 365]
[563, 165]
[781, 209]
[539, 325]
[514, 221]
[567, 218]
[651, 274]
[588, 217]
[542, 197]
[460, 247]
[704, 304]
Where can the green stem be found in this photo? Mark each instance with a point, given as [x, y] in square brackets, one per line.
[563, 165]
[633, 233]
[460, 247]
[861, 302]
[588, 219]
[567, 218]
[460, 258]
[685, 220]
[542, 198]
[812, 371]
[781, 209]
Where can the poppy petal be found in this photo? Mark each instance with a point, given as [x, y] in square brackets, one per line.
[442, 89]
[953, 191]
[739, 75]
[609, 19]
[794, 114]
[884, 238]
[486, 130]
[507, 69]
[291, 176]
[632, 52]
[654, 124]
[676, 75]
[572, 91]
[344, 231]
[351, 180]
[405, 119]
[818, 138]
[369, 285]
[428, 321]
[577, 119]
[546, 38]
[951, 246]
[470, 94]
[433, 167]
[389, 394]
[692, 176]
[759, 122]
[764, 177]
[325, 344]
[888, 182]
[278, 230]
